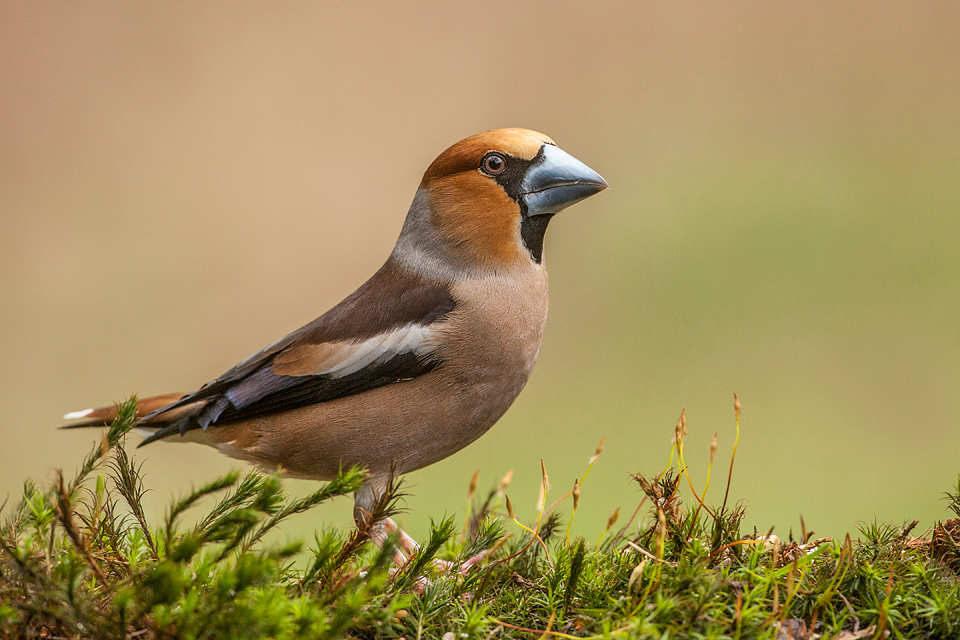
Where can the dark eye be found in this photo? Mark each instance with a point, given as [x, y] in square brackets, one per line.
[493, 163]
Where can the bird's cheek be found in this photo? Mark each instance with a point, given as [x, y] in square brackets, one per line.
[477, 218]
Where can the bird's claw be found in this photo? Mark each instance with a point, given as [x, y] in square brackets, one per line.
[407, 547]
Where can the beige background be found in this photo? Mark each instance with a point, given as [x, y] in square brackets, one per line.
[180, 185]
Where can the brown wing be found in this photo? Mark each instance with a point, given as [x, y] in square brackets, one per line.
[379, 335]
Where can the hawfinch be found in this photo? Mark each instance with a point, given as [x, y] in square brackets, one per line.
[425, 356]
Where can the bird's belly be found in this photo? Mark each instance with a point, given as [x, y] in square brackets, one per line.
[399, 427]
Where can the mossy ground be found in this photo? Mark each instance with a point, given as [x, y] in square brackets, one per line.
[79, 559]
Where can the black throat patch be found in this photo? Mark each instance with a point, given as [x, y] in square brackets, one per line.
[532, 230]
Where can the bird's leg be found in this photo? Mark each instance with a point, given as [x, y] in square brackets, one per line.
[378, 535]
[365, 504]
[407, 544]
[409, 547]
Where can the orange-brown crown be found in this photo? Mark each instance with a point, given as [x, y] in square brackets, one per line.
[466, 154]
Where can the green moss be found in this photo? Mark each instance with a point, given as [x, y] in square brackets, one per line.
[82, 561]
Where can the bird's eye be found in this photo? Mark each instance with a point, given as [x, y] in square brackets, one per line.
[493, 163]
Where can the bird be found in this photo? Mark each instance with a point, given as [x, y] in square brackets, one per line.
[423, 358]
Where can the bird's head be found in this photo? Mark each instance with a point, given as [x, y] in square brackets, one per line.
[486, 200]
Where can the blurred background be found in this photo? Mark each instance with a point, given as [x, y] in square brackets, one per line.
[182, 184]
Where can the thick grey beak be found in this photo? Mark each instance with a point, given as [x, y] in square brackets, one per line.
[558, 181]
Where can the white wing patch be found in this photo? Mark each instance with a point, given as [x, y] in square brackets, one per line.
[338, 359]
[378, 349]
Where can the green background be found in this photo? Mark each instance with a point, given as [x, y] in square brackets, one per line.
[181, 185]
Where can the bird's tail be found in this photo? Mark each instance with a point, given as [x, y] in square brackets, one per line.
[104, 416]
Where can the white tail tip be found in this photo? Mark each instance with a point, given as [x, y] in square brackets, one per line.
[76, 415]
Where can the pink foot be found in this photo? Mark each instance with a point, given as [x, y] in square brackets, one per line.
[407, 547]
